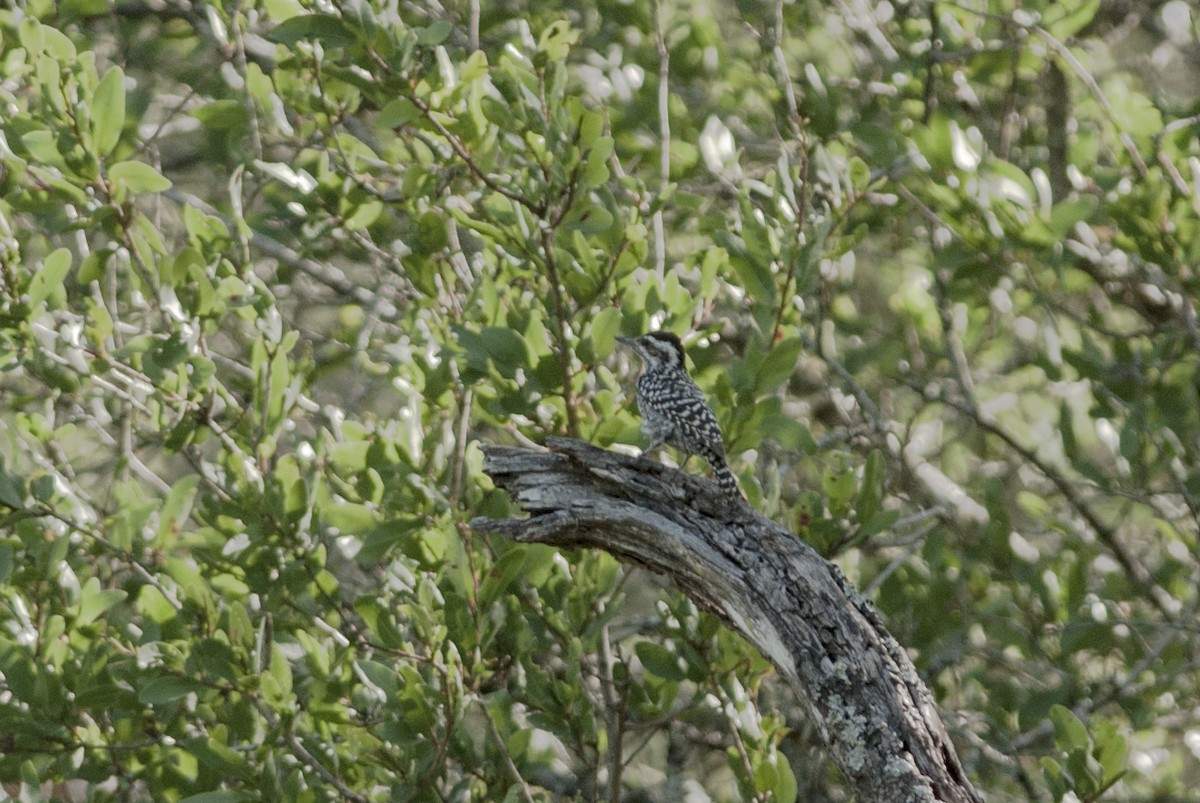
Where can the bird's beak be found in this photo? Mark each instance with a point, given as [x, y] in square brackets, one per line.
[633, 345]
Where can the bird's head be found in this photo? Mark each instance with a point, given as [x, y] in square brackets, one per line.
[657, 350]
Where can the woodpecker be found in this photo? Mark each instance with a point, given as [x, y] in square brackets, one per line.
[674, 410]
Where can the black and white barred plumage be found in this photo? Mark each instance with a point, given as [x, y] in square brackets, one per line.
[674, 410]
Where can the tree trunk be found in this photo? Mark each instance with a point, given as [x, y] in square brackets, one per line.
[875, 714]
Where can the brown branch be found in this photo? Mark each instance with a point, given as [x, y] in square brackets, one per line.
[561, 330]
[510, 765]
[877, 717]
[1057, 103]
[1089, 81]
[464, 155]
[799, 205]
[930, 99]
[664, 133]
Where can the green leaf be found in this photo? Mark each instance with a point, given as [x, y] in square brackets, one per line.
[1065, 19]
[435, 34]
[504, 346]
[31, 783]
[50, 276]
[397, 112]
[203, 228]
[605, 324]
[223, 759]
[20, 673]
[1133, 434]
[108, 111]
[359, 15]
[43, 147]
[591, 219]
[753, 274]
[380, 540]
[777, 367]
[1112, 755]
[502, 575]
[95, 601]
[557, 39]
[279, 689]
[859, 174]
[350, 518]
[30, 35]
[138, 177]
[1135, 113]
[591, 126]
[91, 270]
[350, 457]
[838, 481]
[660, 661]
[684, 158]
[164, 355]
[596, 171]
[12, 489]
[220, 797]
[382, 676]
[177, 506]
[58, 45]
[164, 690]
[214, 658]
[329, 30]
[773, 773]
[364, 216]
[870, 494]
[791, 434]
[785, 787]
[222, 115]
[881, 521]
[1066, 214]
[1069, 731]
[432, 234]
[1054, 777]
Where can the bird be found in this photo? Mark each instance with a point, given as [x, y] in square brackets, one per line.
[674, 410]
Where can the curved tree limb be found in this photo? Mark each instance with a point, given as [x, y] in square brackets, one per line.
[877, 717]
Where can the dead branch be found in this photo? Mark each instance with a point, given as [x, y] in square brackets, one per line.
[875, 714]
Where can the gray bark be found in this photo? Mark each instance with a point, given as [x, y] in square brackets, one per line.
[828, 642]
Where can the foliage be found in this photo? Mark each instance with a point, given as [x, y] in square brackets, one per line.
[269, 270]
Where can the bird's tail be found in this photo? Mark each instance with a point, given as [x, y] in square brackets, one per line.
[726, 479]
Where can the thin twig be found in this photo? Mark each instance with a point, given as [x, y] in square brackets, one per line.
[513, 770]
[930, 100]
[614, 704]
[561, 332]
[473, 25]
[308, 758]
[955, 355]
[664, 133]
[870, 409]
[461, 152]
[1098, 94]
[738, 743]
[798, 202]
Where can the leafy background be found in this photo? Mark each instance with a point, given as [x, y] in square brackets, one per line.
[271, 270]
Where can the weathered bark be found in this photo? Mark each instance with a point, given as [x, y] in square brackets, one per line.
[875, 714]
